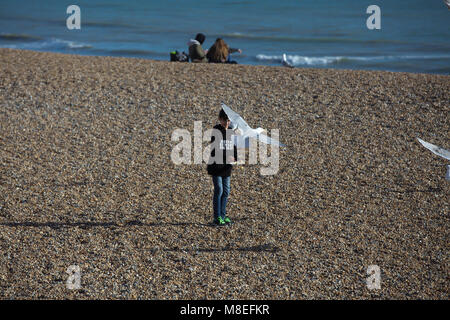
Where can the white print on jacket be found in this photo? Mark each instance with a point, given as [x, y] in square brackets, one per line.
[226, 145]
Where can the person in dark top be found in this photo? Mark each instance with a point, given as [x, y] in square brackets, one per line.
[219, 167]
[196, 52]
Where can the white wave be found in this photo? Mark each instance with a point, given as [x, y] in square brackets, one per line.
[52, 43]
[301, 60]
[10, 46]
[235, 34]
[298, 60]
[72, 44]
[406, 57]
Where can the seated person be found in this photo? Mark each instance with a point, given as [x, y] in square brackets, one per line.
[196, 52]
[220, 52]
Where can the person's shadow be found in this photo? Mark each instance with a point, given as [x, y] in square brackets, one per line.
[413, 189]
[96, 224]
[267, 247]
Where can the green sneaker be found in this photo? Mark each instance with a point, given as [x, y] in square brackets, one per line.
[227, 220]
[219, 222]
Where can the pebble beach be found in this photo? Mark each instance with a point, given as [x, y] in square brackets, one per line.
[86, 179]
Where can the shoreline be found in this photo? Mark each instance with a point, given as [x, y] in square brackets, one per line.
[250, 65]
[86, 179]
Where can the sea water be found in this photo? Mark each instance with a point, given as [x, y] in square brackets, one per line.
[414, 34]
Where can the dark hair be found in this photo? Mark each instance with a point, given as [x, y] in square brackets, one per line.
[200, 37]
[223, 115]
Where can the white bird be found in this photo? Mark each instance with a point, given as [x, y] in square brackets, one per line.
[438, 151]
[285, 63]
[246, 131]
[447, 2]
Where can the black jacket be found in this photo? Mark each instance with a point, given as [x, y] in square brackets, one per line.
[228, 149]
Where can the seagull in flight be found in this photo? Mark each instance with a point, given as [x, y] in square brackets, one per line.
[438, 151]
[246, 131]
